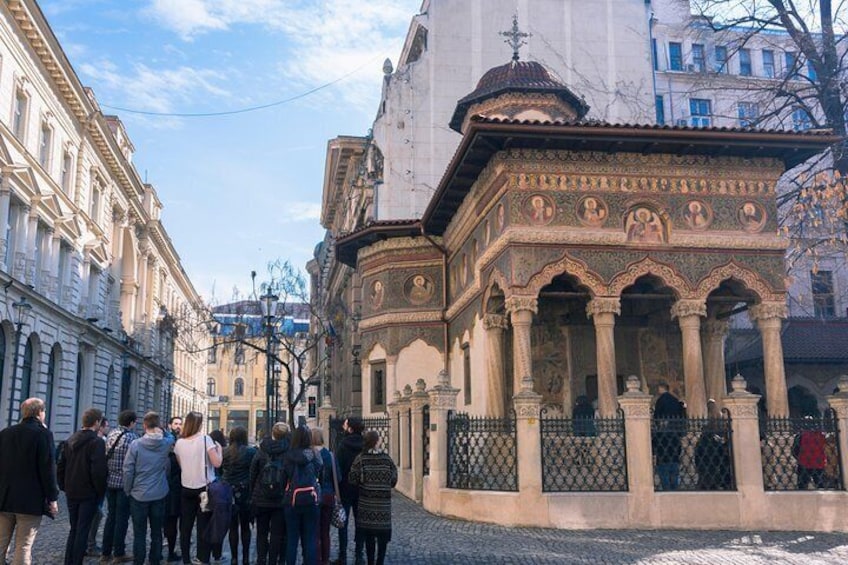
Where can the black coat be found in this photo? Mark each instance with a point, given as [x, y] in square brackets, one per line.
[346, 452]
[82, 469]
[267, 449]
[27, 468]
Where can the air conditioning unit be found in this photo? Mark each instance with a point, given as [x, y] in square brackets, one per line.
[681, 122]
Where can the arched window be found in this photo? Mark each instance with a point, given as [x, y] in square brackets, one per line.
[52, 363]
[238, 387]
[210, 387]
[26, 370]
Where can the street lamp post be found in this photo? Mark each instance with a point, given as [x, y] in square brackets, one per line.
[22, 310]
[268, 304]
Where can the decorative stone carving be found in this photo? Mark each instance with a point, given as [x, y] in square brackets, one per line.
[715, 329]
[733, 270]
[407, 391]
[527, 405]
[420, 385]
[648, 266]
[495, 321]
[573, 267]
[738, 385]
[686, 308]
[399, 318]
[752, 216]
[633, 384]
[604, 305]
[517, 302]
[768, 310]
[443, 395]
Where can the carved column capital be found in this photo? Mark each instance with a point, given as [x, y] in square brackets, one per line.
[517, 303]
[715, 329]
[768, 311]
[495, 322]
[603, 305]
[689, 307]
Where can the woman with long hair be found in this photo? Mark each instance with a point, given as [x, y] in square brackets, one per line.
[198, 456]
[237, 459]
[376, 475]
[301, 467]
[221, 441]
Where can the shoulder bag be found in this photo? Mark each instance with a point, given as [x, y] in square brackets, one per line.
[339, 517]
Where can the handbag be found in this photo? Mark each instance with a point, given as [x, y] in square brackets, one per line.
[339, 517]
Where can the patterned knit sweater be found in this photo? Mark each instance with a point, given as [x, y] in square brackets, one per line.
[376, 474]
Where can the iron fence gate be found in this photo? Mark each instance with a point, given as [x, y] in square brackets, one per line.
[482, 453]
[693, 454]
[583, 454]
[801, 453]
[425, 440]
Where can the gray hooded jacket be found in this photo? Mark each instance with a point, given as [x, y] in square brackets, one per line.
[146, 467]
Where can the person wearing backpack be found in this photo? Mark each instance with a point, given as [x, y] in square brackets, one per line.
[238, 457]
[374, 472]
[198, 457]
[302, 467]
[346, 452]
[118, 519]
[328, 494]
[267, 488]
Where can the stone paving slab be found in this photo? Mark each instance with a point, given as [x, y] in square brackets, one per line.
[420, 538]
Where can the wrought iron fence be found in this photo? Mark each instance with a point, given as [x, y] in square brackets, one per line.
[583, 454]
[380, 425]
[801, 453]
[425, 441]
[693, 454]
[408, 461]
[482, 453]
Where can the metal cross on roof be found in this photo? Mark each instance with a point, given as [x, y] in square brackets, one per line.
[515, 38]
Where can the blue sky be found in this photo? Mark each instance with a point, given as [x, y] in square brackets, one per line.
[243, 189]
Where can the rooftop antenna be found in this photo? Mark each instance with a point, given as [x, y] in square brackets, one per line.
[515, 38]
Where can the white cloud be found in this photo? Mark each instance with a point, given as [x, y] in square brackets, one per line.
[301, 212]
[327, 40]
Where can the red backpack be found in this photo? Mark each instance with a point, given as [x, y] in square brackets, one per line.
[811, 453]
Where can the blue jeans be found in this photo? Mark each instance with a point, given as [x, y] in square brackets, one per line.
[142, 513]
[669, 475]
[301, 526]
[80, 514]
[351, 508]
[117, 523]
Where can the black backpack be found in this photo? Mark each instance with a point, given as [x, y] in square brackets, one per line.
[271, 477]
[303, 487]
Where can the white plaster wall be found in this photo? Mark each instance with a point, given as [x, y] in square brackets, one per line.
[418, 361]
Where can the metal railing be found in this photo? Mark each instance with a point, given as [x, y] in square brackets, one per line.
[583, 454]
[693, 454]
[425, 440]
[482, 453]
[801, 453]
[380, 425]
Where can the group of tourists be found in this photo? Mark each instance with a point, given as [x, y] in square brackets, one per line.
[178, 480]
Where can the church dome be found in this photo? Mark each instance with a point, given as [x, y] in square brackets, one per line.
[517, 77]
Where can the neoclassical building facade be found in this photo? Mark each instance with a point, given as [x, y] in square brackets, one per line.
[83, 246]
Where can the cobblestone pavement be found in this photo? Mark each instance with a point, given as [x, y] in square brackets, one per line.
[421, 538]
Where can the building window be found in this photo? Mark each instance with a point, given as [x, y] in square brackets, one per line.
[768, 63]
[20, 114]
[238, 357]
[238, 387]
[811, 72]
[801, 119]
[699, 63]
[748, 113]
[745, 68]
[660, 107]
[675, 56]
[67, 175]
[721, 59]
[44, 144]
[378, 386]
[790, 64]
[94, 205]
[214, 420]
[238, 419]
[212, 355]
[701, 112]
[654, 55]
[466, 373]
[822, 285]
[26, 369]
[210, 387]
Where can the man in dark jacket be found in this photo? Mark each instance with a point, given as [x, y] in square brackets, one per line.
[27, 480]
[172, 506]
[82, 475]
[346, 452]
[267, 486]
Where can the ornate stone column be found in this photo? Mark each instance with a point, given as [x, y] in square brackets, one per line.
[442, 401]
[405, 405]
[839, 403]
[31, 247]
[768, 316]
[5, 203]
[45, 275]
[713, 334]
[529, 449]
[22, 237]
[495, 325]
[603, 310]
[521, 310]
[636, 406]
[688, 314]
[417, 401]
[747, 457]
